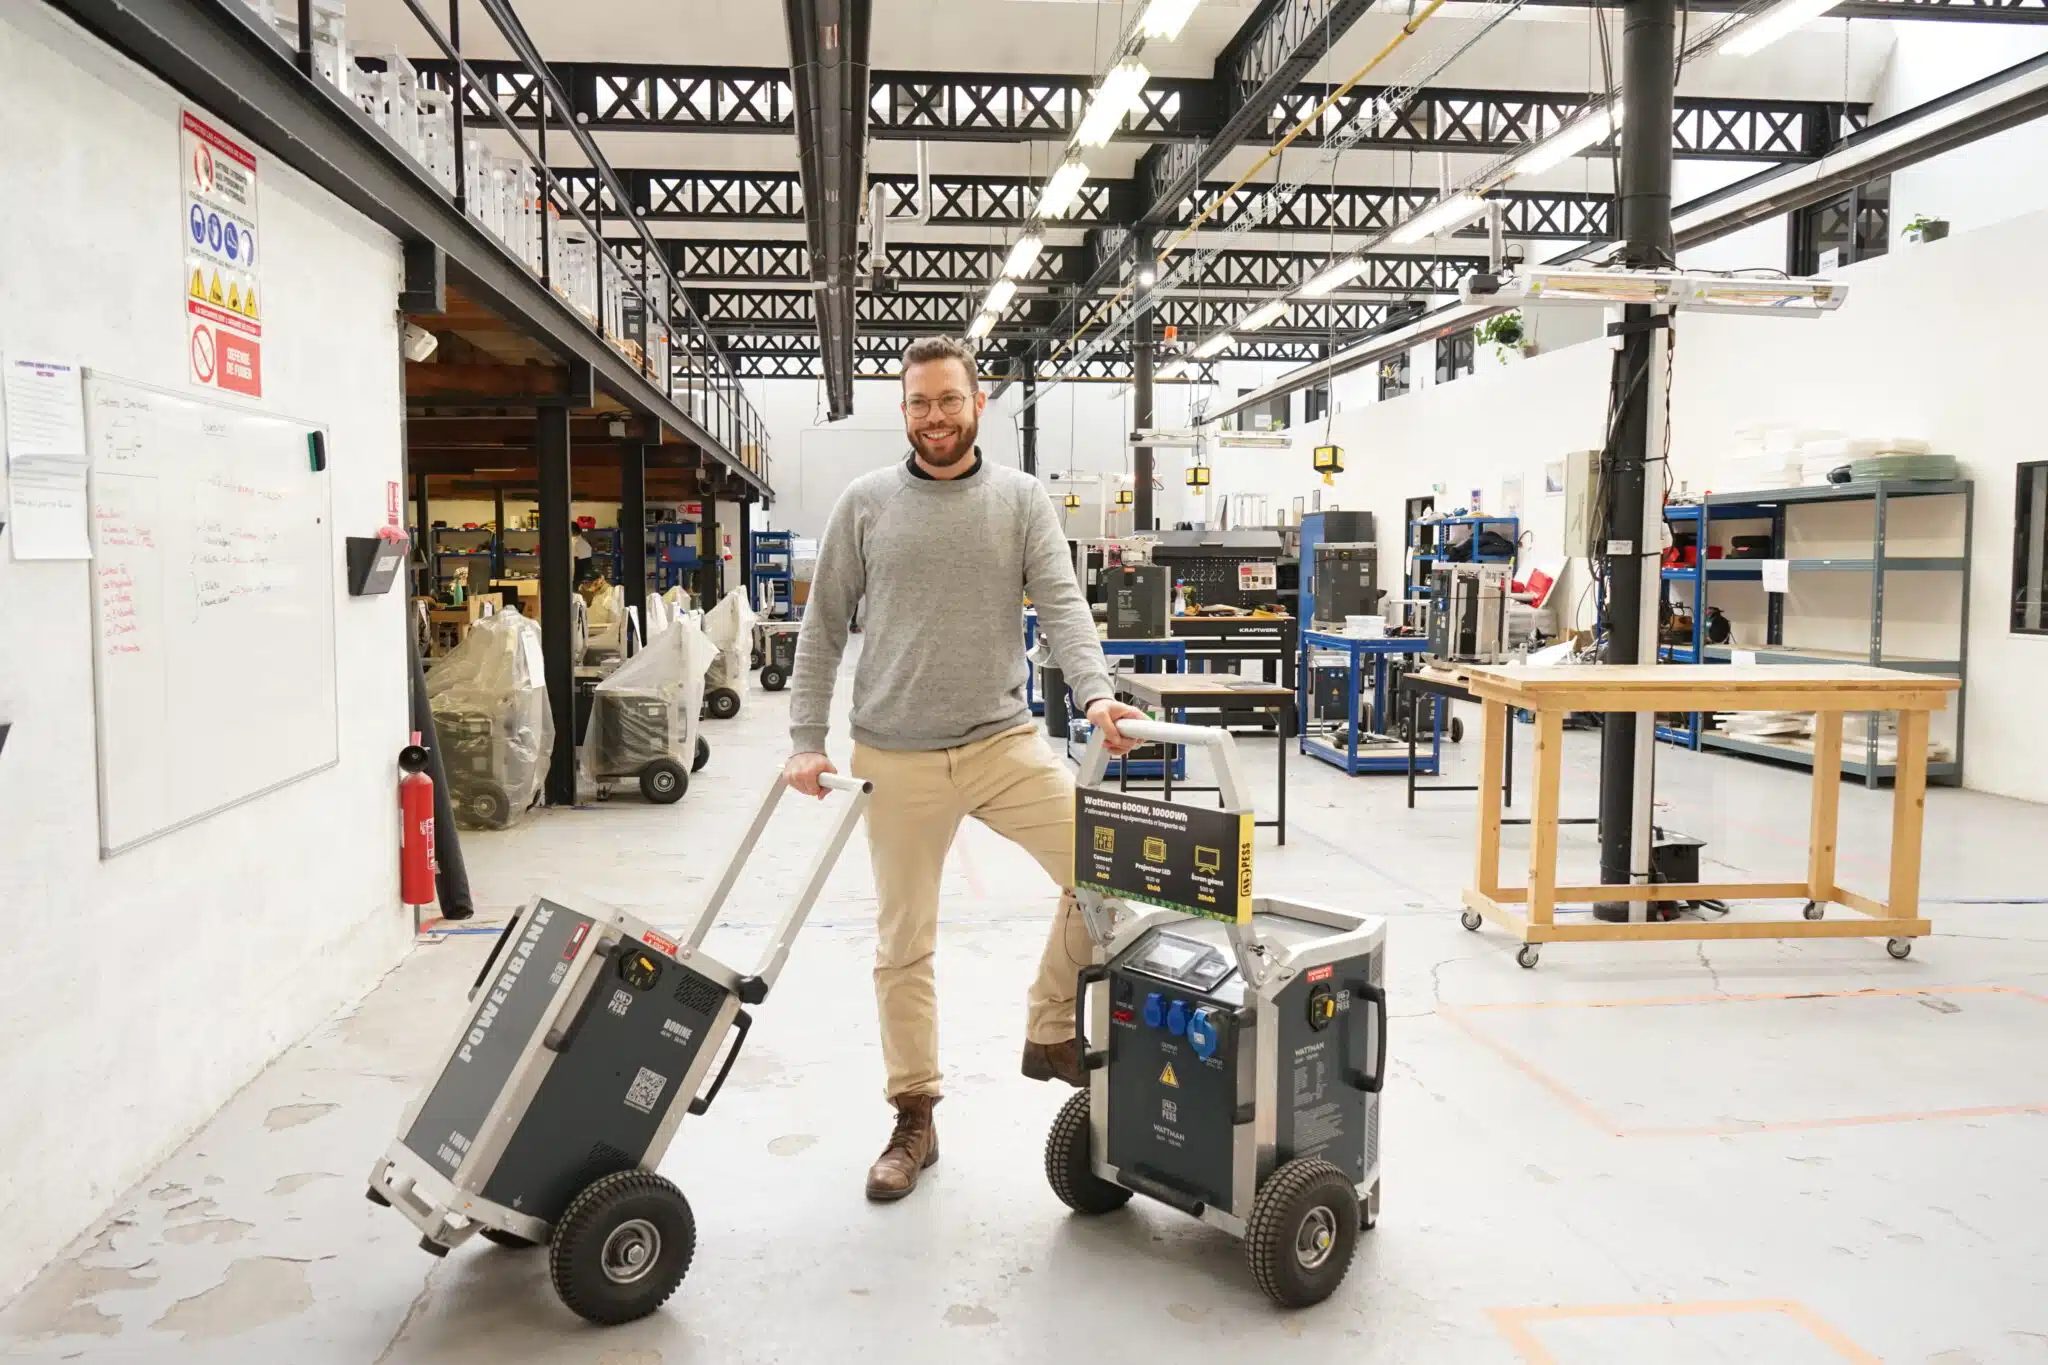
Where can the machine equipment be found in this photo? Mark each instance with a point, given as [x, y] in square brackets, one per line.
[587, 1038]
[1347, 583]
[1236, 1046]
[1468, 613]
[775, 652]
[1139, 599]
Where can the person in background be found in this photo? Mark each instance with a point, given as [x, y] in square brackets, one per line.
[938, 552]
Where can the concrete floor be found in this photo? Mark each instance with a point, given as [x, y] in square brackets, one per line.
[1757, 1151]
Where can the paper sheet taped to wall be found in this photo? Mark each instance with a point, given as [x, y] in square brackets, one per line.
[46, 464]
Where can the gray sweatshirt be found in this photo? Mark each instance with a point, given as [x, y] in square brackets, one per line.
[939, 569]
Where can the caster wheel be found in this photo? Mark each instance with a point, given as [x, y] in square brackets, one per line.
[511, 1241]
[1303, 1229]
[1457, 730]
[1528, 954]
[663, 782]
[703, 755]
[490, 807]
[773, 678]
[1472, 919]
[1067, 1166]
[722, 703]
[622, 1247]
[1814, 910]
[755, 659]
[1900, 948]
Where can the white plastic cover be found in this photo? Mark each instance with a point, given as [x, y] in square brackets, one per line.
[490, 701]
[672, 666]
[730, 627]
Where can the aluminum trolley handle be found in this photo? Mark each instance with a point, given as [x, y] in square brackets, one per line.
[754, 989]
[1095, 760]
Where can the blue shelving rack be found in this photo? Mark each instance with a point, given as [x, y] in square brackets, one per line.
[675, 552]
[1691, 581]
[1425, 548]
[771, 563]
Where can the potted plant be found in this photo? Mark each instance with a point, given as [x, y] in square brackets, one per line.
[1925, 229]
[1504, 336]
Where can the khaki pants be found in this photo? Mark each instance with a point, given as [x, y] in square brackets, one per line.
[1017, 786]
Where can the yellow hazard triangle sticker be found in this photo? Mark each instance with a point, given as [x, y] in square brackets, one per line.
[213, 292]
[1167, 1077]
[198, 286]
[234, 298]
[249, 302]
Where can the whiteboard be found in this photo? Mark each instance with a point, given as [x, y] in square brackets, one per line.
[212, 607]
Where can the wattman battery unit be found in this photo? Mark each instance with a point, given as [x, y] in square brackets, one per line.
[1236, 1045]
[588, 1038]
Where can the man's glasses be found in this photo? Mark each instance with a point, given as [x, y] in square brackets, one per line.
[951, 404]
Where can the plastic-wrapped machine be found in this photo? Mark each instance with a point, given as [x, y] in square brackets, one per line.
[643, 718]
[658, 616]
[490, 700]
[730, 627]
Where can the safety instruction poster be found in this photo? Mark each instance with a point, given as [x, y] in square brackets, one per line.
[222, 281]
[1183, 858]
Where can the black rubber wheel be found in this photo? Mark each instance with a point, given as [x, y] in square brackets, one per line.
[773, 678]
[622, 1247]
[511, 1241]
[1067, 1166]
[1457, 730]
[703, 755]
[1303, 1229]
[663, 782]
[755, 660]
[722, 703]
[1528, 954]
[1472, 919]
[1814, 910]
[490, 807]
[1900, 948]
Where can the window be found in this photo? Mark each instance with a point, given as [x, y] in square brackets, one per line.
[1852, 227]
[1271, 415]
[1454, 356]
[1394, 375]
[2030, 551]
[1315, 403]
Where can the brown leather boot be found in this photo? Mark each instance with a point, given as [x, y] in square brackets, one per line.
[1055, 1061]
[912, 1147]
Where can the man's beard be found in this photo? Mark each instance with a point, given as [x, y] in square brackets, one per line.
[968, 428]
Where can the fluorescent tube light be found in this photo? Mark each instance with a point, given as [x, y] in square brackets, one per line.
[1773, 24]
[1023, 255]
[1115, 97]
[1063, 191]
[982, 325]
[1567, 142]
[1215, 345]
[1263, 315]
[999, 295]
[1339, 274]
[1442, 216]
[1166, 18]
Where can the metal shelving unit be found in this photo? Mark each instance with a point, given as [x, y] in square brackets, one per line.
[771, 561]
[1696, 578]
[1773, 505]
[1425, 548]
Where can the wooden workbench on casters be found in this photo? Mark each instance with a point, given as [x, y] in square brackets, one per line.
[1550, 693]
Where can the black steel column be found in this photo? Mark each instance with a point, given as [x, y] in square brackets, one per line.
[1646, 89]
[712, 574]
[1029, 431]
[556, 593]
[1141, 410]
[629, 542]
[424, 584]
[747, 552]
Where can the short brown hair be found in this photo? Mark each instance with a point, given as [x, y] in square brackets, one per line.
[926, 349]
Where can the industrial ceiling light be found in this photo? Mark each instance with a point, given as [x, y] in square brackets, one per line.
[1442, 216]
[1255, 440]
[999, 295]
[1691, 291]
[1198, 476]
[1164, 19]
[1147, 277]
[1073, 502]
[1215, 345]
[1063, 191]
[1114, 98]
[1329, 462]
[1264, 315]
[1123, 497]
[1567, 142]
[1339, 274]
[982, 325]
[1773, 24]
[1023, 255]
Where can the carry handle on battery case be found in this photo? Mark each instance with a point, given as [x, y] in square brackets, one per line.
[754, 989]
[1376, 997]
[741, 1022]
[1087, 977]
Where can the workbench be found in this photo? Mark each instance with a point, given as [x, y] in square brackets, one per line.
[1271, 642]
[1169, 695]
[1159, 653]
[1356, 649]
[1550, 693]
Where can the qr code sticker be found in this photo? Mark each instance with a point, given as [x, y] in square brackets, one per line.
[646, 1089]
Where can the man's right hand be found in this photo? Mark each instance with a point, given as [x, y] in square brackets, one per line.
[803, 771]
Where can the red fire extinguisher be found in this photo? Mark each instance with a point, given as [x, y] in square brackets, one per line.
[416, 843]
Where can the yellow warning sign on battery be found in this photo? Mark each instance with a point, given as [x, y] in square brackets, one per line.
[1167, 1077]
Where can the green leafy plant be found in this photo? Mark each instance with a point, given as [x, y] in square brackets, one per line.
[1504, 329]
[1921, 223]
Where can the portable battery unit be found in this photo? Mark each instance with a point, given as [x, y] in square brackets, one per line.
[1139, 601]
[483, 770]
[587, 1039]
[1346, 583]
[1468, 613]
[1235, 1045]
[633, 735]
[777, 653]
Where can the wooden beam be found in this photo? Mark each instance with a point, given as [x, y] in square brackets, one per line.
[427, 382]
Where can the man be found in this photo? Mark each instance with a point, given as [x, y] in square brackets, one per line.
[942, 549]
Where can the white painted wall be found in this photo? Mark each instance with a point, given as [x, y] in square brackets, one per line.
[217, 946]
[1989, 181]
